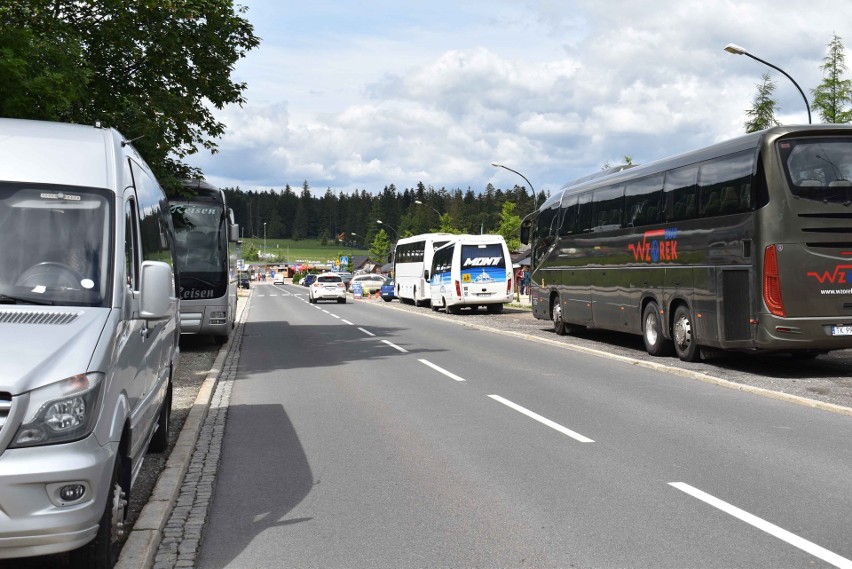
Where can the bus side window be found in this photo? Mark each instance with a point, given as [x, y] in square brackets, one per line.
[569, 215]
[584, 213]
[642, 200]
[608, 203]
[722, 181]
[679, 193]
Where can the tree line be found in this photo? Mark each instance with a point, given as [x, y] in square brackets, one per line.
[832, 98]
[355, 217]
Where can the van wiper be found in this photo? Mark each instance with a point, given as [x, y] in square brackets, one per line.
[6, 299]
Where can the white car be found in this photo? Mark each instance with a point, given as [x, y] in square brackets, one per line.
[278, 280]
[327, 286]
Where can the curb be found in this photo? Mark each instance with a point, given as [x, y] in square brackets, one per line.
[140, 549]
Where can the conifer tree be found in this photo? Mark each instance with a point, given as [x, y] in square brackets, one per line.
[832, 98]
[762, 113]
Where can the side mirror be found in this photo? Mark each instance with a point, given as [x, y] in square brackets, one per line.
[525, 234]
[157, 289]
[234, 233]
[426, 275]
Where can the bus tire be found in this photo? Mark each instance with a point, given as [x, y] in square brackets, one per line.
[454, 309]
[656, 343]
[559, 325]
[435, 306]
[683, 333]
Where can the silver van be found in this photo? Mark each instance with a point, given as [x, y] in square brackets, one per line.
[88, 335]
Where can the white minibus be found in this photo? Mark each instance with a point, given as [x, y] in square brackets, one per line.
[471, 271]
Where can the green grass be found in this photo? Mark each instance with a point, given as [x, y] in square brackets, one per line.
[290, 251]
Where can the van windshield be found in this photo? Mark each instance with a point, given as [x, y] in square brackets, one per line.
[56, 246]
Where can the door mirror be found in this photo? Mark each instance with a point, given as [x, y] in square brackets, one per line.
[426, 275]
[157, 289]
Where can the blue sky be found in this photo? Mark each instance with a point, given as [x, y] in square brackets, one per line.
[360, 95]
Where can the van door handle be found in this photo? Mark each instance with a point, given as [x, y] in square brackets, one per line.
[144, 332]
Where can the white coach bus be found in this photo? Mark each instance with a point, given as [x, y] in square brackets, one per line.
[412, 257]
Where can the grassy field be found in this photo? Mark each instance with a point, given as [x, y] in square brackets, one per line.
[290, 251]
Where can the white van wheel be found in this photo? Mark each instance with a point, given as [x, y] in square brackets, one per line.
[102, 552]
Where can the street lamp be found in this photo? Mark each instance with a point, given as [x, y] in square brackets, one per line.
[383, 224]
[418, 202]
[737, 50]
[535, 198]
[264, 241]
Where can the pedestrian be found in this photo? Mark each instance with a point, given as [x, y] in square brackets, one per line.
[525, 284]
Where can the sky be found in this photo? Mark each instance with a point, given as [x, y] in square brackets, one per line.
[353, 96]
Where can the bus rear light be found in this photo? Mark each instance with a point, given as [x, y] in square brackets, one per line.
[772, 282]
[458, 289]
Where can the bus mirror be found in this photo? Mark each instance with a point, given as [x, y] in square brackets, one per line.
[525, 234]
[426, 275]
[234, 233]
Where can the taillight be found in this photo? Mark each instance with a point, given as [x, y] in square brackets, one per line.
[772, 282]
[458, 289]
[508, 286]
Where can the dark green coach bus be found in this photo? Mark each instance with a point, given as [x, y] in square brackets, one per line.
[743, 245]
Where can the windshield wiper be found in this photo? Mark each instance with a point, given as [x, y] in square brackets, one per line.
[6, 299]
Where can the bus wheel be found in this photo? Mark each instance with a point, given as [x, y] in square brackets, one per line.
[494, 308]
[556, 313]
[652, 331]
[684, 337]
[435, 306]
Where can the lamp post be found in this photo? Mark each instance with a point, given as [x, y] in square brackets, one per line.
[418, 202]
[383, 224]
[264, 241]
[737, 50]
[535, 198]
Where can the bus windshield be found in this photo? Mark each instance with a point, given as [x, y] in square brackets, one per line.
[818, 168]
[55, 248]
[201, 244]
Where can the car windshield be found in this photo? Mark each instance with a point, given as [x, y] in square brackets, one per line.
[56, 245]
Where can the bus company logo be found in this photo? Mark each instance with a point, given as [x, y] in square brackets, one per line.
[656, 245]
[482, 262]
[842, 274]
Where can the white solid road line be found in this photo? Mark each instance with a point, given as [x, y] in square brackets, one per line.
[543, 420]
[442, 370]
[761, 524]
[367, 332]
[395, 347]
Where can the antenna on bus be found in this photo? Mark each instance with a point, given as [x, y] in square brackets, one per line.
[126, 142]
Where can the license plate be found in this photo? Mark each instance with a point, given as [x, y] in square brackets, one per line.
[841, 330]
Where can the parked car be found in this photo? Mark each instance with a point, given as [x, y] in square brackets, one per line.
[244, 280]
[370, 283]
[90, 335]
[346, 277]
[327, 286]
[308, 279]
[387, 290]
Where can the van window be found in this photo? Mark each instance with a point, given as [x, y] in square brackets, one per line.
[490, 255]
[155, 217]
[131, 246]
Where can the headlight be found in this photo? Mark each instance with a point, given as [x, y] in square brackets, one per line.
[61, 412]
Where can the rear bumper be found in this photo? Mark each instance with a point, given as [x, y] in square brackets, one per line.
[776, 333]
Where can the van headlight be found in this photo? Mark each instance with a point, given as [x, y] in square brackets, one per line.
[61, 412]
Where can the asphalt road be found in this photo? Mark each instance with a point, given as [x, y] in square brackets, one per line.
[364, 437]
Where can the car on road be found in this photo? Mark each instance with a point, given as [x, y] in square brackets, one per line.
[308, 279]
[244, 280]
[387, 292]
[278, 279]
[370, 283]
[327, 286]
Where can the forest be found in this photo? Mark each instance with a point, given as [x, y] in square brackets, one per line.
[287, 214]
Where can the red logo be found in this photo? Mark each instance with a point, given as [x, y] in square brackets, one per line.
[841, 275]
[656, 250]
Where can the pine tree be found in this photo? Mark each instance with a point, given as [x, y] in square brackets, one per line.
[762, 113]
[833, 96]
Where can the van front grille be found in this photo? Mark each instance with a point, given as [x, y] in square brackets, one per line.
[37, 317]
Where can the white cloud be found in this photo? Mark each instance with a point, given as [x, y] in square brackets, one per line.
[399, 94]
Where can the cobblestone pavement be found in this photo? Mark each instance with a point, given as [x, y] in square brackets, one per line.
[182, 533]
